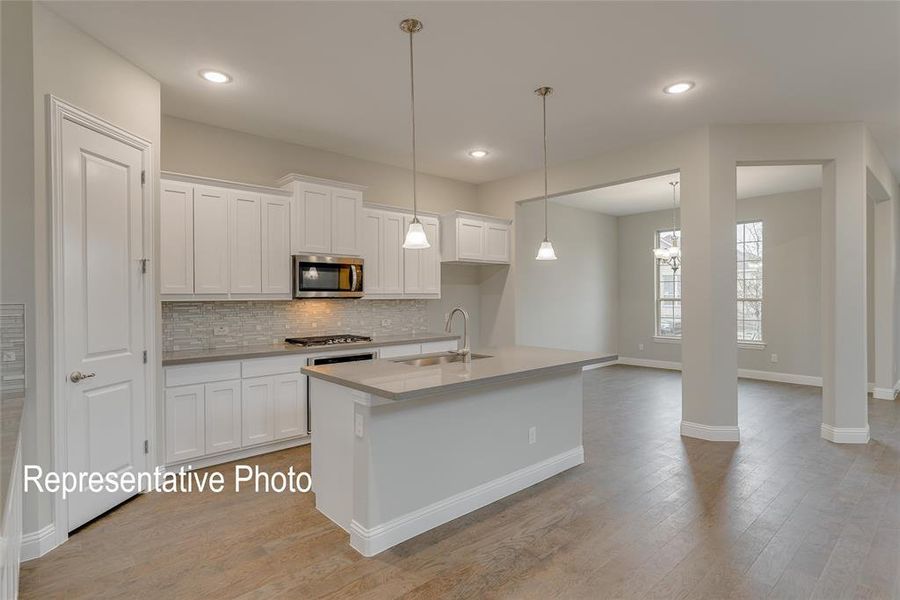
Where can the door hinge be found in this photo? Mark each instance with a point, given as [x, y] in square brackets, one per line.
[145, 357]
[144, 262]
[143, 177]
[146, 446]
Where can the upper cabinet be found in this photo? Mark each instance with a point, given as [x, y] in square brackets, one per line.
[222, 240]
[390, 271]
[326, 216]
[473, 238]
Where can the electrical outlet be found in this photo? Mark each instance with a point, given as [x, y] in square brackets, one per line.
[220, 330]
[532, 435]
[774, 358]
[641, 347]
[358, 425]
[385, 322]
[9, 356]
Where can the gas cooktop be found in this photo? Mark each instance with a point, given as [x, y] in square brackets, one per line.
[327, 340]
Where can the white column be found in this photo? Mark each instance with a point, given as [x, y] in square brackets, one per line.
[709, 322]
[884, 318]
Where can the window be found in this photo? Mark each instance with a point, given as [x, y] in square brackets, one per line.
[749, 281]
[668, 289]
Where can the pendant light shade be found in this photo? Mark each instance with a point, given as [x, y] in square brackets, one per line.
[415, 235]
[671, 255]
[545, 252]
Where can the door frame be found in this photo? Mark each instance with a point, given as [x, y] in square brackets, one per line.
[58, 112]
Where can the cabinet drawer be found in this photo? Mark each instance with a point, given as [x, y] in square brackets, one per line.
[442, 346]
[260, 367]
[401, 350]
[202, 373]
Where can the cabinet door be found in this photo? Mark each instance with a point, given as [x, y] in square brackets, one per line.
[430, 258]
[311, 220]
[246, 246]
[346, 212]
[185, 423]
[276, 246]
[371, 243]
[496, 242]
[290, 405]
[176, 238]
[469, 239]
[210, 241]
[223, 416]
[392, 233]
[257, 411]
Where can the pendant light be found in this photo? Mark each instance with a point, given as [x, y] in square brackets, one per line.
[671, 255]
[415, 235]
[545, 252]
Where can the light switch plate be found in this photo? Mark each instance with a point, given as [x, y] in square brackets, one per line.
[220, 330]
[532, 435]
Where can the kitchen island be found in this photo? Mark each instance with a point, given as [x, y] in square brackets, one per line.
[400, 446]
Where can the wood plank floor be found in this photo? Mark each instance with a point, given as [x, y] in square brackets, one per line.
[783, 514]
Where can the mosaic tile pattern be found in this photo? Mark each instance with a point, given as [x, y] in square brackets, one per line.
[12, 347]
[201, 325]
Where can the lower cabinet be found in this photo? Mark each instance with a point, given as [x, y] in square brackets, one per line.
[223, 416]
[290, 405]
[258, 410]
[185, 423]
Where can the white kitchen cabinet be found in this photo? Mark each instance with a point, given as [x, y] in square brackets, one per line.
[257, 410]
[276, 245]
[185, 423]
[210, 241]
[289, 405]
[245, 234]
[382, 250]
[422, 268]
[473, 238]
[176, 238]
[399, 350]
[223, 416]
[326, 216]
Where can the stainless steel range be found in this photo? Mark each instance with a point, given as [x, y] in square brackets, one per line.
[327, 340]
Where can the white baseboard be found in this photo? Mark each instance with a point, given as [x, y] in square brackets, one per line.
[743, 373]
[38, 543]
[599, 365]
[883, 393]
[846, 435]
[653, 364]
[370, 542]
[711, 433]
[233, 455]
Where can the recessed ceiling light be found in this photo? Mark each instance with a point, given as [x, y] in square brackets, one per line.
[478, 153]
[215, 76]
[679, 88]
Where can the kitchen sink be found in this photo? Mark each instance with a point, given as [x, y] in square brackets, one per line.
[438, 359]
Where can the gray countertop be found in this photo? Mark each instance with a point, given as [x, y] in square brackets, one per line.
[186, 357]
[393, 380]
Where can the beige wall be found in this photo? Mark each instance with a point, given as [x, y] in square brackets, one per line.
[570, 303]
[792, 287]
[79, 70]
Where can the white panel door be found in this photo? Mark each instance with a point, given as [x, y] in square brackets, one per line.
[311, 225]
[176, 238]
[102, 208]
[245, 235]
[210, 240]
[290, 405]
[469, 238]
[257, 411]
[371, 244]
[185, 423]
[346, 213]
[430, 259]
[496, 242]
[276, 246]
[222, 416]
[393, 231]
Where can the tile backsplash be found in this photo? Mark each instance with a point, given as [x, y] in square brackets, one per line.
[12, 347]
[200, 325]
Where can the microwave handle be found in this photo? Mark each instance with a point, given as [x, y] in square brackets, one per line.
[353, 278]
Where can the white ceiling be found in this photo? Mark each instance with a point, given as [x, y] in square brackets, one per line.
[334, 75]
[654, 193]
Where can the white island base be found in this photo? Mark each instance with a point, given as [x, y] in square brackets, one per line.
[388, 470]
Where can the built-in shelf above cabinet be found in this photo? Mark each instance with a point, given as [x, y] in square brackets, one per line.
[223, 240]
[474, 238]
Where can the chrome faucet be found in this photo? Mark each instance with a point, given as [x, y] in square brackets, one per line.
[465, 352]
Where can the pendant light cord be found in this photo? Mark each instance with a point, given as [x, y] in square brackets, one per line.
[412, 102]
[544, 105]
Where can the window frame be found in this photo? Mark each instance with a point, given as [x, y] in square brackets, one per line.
[657, 296]
[761, 342]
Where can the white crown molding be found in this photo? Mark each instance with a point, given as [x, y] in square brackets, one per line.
[292, 177]
[371, 541]
[212, 181]
[38, 543]
[845, 435]
[711, 433]
[466, 213]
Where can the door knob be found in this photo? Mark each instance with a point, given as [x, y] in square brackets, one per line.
[77, 376]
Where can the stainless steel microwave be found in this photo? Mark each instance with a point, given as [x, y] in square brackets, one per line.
[328, 277]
